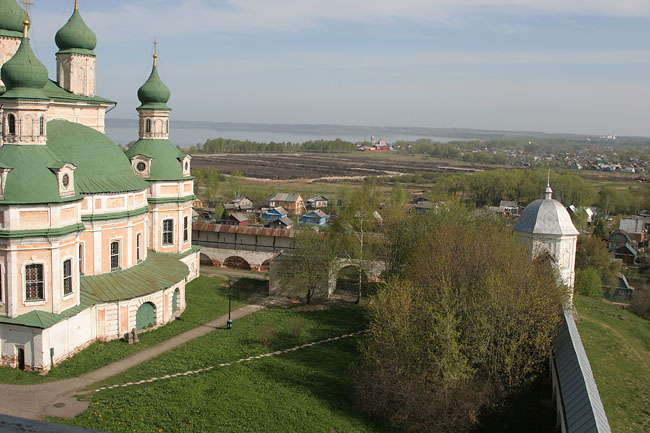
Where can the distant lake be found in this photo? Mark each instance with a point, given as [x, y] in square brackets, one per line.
[186, 134]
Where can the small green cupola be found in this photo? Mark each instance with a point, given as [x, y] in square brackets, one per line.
[11, 19]
[153, 94]
[75, 36]
[24, 75]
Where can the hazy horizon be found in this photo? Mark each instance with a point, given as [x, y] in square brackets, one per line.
[566, 66]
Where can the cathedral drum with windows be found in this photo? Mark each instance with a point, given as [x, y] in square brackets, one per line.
[93, 242]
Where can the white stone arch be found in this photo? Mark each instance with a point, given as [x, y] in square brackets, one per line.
[372, 270]
[237, 262]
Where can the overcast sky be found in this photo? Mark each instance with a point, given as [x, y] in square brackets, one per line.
[580, 66]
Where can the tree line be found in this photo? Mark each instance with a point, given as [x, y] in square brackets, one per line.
[229, 145]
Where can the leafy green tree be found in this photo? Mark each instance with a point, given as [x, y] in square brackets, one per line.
[579, 219]
[218, 212]
[398, 196]
[592, 253]
[354, 225]
[469, 322]
[588, 283]
[305, 271]
[600, 229]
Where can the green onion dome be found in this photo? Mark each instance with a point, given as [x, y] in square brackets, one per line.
[11, 17]
[75, 35]
[24, 75]
[154, 94]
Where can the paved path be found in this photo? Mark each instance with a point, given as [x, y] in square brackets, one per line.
[57, 398]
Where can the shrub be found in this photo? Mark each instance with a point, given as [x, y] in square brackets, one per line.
[266, 334]
[588, 283]
[641, 304]
[295, 326]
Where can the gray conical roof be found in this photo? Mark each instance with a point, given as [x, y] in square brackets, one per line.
[546, 216]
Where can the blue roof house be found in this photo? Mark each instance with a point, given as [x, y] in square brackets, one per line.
[316, 217]
[274, 214]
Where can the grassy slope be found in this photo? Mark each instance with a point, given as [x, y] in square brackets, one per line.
[618, 347]
[206, 298]
[305, 390]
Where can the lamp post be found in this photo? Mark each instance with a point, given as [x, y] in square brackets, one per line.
[231, 281]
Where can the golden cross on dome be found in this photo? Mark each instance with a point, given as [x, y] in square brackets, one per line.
[76, 5]
[27, 4]
[548, 178]
[155, 51]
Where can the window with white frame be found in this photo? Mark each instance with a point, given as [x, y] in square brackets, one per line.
[168, 232]
[185, 228]
[67, 277]
[41, 126]
[115, 255]
[138, 245]
[34, 282]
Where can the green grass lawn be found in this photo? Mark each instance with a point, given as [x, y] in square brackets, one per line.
[305, 390]
[618, 346]
[206, 298]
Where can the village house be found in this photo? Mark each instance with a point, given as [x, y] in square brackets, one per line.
[281, 223]
[634, 227]
[316, 217]
[240, 203]
[317, 202]
[270, 215]
[235, 219]
[508, 207]
[293, 203]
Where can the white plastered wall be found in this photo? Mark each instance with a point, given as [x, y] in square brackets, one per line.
[563, 251]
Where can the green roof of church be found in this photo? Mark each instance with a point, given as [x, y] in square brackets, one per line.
[165, 164]
[31, 179]
[75, 35]
[24, 75]
[158, 272]
[11, 19]
[153, 94]
[102, 167]
[53, 91]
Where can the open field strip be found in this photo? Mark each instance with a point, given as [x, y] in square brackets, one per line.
[226, 364]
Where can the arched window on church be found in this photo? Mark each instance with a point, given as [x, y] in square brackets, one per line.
[147, 126]
[41, 125]
[11, 124]
[167, 127]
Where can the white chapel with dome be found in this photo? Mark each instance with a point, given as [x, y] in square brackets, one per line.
[94, 242]
[546, 228]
